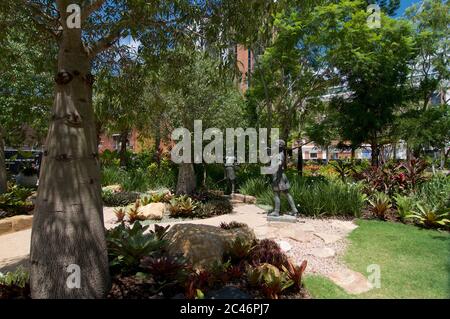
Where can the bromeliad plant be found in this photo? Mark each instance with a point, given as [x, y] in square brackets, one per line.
[238, 250]
[404, 205]
[380, 204]
[295, 273]
[128, 245]
[428, 217]
[134, 213]
[182, 206]
[413, 171]
[272, 281]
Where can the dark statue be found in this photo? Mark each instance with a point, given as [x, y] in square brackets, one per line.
[280, 182]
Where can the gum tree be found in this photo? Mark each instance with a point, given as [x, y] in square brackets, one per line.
[373, 65]
[68, 220]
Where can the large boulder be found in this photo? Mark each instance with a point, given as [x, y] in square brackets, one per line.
[153, 211]
[203, 244]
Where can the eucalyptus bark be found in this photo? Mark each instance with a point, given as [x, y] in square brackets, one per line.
[186, 183]
[3, 175]
[68, 230]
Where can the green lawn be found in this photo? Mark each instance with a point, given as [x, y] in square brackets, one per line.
[415, 263]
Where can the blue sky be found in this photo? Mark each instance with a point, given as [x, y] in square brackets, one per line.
[405, 4]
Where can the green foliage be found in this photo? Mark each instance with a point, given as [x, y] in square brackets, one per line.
[15, 202]
[254, 186]
[344, 168]
[113, 199]
[316, 197]
[435, 192]
[214, 207]
[182, 206]
[380, 204]
[127, 245]
[271, 280]
[20, 277]
[141, 178]
[431, 217]
[404, 205]
[238, 250]
[374, 72]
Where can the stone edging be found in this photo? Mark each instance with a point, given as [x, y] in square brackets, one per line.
[15, 223]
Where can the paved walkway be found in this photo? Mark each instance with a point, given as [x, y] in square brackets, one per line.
[320, 242]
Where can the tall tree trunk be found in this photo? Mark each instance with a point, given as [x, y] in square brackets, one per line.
[394, 151]
[375, 154]
[3, 175]
[186, 183]
[123, 148]
[300, 160]
[157, 145]
[327, 154]
[443, 158]
[68, 237]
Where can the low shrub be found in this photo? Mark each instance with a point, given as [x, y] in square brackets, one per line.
[182, 206]
[15, 285]
[127, 245]
[431, 217]
[112, 199]
[379, 205]
[14, 202]
[268, 251]
[317, 197]
[254, 186]
[404, 205]
[232, 225]
[214, 207]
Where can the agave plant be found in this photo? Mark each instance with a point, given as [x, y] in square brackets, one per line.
[431, 217]
[380, 205]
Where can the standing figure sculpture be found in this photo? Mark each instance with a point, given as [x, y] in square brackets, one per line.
[280, 182]
[230, 173]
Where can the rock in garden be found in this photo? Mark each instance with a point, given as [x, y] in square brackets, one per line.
[323, 252]
[227, 293]
[203, 244]
[284, 245]
[328, 238]
[250, 199]
[113, 188]
[353, 282]
[153, 211]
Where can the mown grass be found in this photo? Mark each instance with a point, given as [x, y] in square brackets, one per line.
[414, 262]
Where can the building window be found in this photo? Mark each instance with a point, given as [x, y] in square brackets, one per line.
[313, 155]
